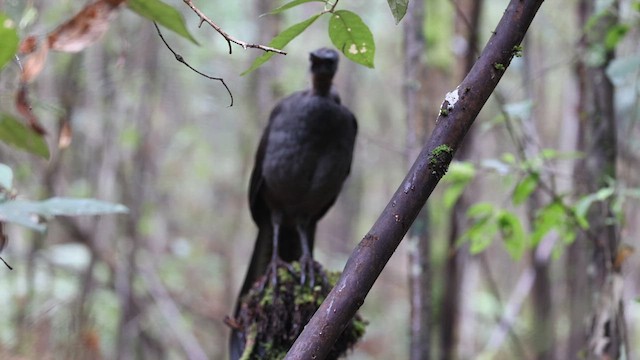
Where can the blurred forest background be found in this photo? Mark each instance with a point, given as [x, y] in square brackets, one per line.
[150, 134]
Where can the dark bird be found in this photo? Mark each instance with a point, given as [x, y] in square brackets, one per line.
[302, 161]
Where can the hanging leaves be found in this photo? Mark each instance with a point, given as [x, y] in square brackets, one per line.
[352, 36]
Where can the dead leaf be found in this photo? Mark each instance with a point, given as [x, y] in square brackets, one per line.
[24, 108]
[85, 28]
[66, 135]
[3, 237]
[34, 63]
[28, 45]
[623, 253]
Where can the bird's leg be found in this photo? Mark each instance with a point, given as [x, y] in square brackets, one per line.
[275, 258]
[306, 260]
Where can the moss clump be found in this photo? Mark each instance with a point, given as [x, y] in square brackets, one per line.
[439, 159]
[270, 319]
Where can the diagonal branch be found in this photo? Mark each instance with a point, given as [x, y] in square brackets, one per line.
[230, 39]
[457, 114]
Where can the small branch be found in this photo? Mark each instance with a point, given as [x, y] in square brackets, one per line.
[230, 39]
[181, 59]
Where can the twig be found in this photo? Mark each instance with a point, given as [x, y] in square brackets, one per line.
[230, 39]
[181, 59]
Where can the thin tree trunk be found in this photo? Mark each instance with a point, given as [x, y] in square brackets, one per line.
[467, 23]
[417, 124]
[591, 258]
[543, 321]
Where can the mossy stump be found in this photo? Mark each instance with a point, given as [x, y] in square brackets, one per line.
[270, 319]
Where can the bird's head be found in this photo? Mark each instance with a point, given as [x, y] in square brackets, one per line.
[324, 62]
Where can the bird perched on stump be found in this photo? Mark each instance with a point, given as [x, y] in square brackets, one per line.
[303, 158]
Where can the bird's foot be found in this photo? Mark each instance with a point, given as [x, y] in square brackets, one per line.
[307, 268]
[272, 272]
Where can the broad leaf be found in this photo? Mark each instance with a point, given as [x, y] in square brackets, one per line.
[14, 133]
[512, 233]
[27, 213]
[281, 40]
[352, 36]
[289, 5]
[163, 14]
[525, 187]
[6, 177]
[8, 39]
[398, 9]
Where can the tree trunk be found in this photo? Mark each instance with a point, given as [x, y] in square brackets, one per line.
[417, 130]
[467, 23]
[591, 259]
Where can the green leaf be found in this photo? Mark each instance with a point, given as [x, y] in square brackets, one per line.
[8, 38]
[281, 40]
[163, 14]
[553, 216]
[480, 210]
[22, 211]
[6, 177]
[289, 5]
[458, 177]
[481, 235]
[513, 234]
[398, 9]
[525, 187]
[352, 36]
[14, 133]
[615, 34]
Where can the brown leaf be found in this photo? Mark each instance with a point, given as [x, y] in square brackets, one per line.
[34, 63]
[623, 253]
[24, 108]
[3, 237]
[28, 45]
[85, 28]
[66, 135]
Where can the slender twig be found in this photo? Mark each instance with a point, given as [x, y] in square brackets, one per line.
[230, 39]
[181, 59]
[9, 266]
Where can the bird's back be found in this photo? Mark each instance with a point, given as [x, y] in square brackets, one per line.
[308, 153]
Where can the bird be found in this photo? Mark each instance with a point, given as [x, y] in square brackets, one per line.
[303, 158]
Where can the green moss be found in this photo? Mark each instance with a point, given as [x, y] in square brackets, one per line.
[439, 151]
[499, 66]
[517, 50]
[439, 159]
[271, 318]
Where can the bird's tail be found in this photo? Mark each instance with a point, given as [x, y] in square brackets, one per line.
[289, 250]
